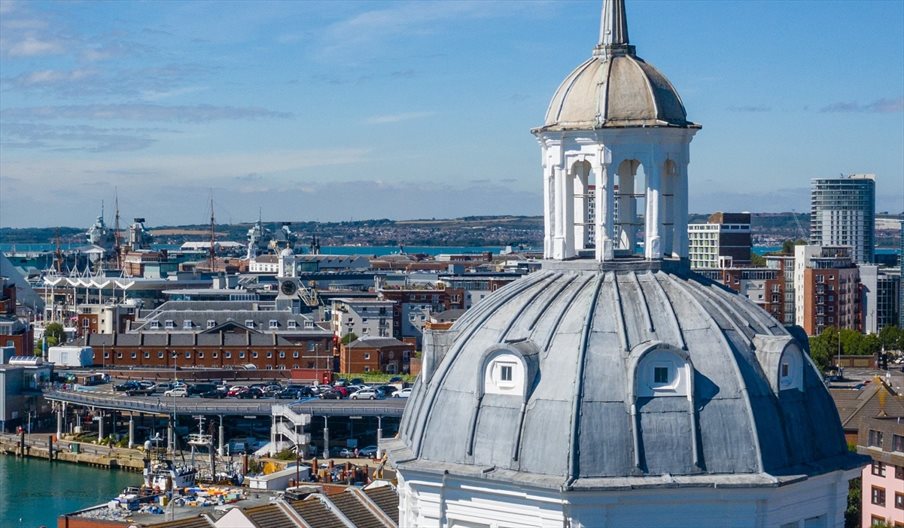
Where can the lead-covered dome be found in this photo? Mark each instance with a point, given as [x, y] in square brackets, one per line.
[590, 375]
[619, 91]
[614, 88]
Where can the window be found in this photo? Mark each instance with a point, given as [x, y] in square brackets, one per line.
[211, 323]
[86, 323]
[269, 354]
[227, 354]
[155, 325]
[106, 355]
[899, 500]
[282, 354]
[200, 355]
[875, 438]
[254, 354]
[169, 325]
[215, 355]
[897, 443]
[366, 356]
[242, 354]
[661, 375]
[878, 469]
[273, 323]
[366, 369]
[147, 355]
[160, 355]
[187, 324]
[785, 370]
[505, 373]
[312, 347]
[134, 355]
[878, 496]
[295, 355]
[188, 354]
[119, 355]
[899, 472]
[249, 323]
[292, 324]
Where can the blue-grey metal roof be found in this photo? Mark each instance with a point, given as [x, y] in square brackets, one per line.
[580, 422]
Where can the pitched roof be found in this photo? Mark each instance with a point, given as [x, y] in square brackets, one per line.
[315, 513]
[386, 499]
[355, 510]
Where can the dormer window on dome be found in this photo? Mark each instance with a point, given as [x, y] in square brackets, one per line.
[662, 372]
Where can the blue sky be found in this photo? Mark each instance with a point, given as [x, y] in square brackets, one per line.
[353, 110]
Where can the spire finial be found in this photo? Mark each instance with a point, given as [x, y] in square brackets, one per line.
[613, 30]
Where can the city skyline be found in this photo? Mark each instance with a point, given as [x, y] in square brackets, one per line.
[416, 110]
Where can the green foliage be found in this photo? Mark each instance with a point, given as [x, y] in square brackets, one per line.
[788, 245]
[55, 330]
[825, 347]
[285, 454]
[378, 377]
[349, 338]
[892, 338]
[852, 513]
[757, 261]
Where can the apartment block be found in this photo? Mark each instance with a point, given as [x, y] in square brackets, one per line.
[724, 241]
[826, 289]
[843, 213]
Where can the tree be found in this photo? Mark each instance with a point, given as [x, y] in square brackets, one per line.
[349, 338]
[891, 338]
[757, 261]
[852, 513]
[788, 245]
[824, 347]
[54, 334]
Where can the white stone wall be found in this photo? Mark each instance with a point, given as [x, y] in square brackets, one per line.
[427, 501]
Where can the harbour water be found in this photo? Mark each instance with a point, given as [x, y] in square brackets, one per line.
[34, 492]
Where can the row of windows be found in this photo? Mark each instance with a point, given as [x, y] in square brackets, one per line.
[874, 439]
[187, 324]
[215, 355]
[877, 497]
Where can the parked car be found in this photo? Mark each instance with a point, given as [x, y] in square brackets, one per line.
[404, 393]
[272, 389]
[178, 392]
[395, 379]
[235, 390]
[251, 393]
[386, 390]
[331, 394]
[357, 381]
[126, 386]
[369, 451]
[145, 388]
[197, 389]
[367, 394]
[347, 452]
[215, 394]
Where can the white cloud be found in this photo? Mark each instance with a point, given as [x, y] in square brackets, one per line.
[142, 112]
[31, 46]
[395, 118]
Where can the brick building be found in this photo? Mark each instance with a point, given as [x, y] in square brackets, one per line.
[223, 347]
[14, 331]
[763, 286]
[413, 307]
[376, 354]
[827, 289]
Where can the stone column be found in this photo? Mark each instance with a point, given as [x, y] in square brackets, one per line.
[652, 248]
[131, 431]
[221, 448]
[100, 426]
[558, 243]
[170, 444]
[568, 214]
[605, 205]
[549, 210]
[379, 437]
[59, 413]
[326, 438]
[680, 211]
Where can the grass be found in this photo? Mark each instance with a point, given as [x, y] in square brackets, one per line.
[378, 377]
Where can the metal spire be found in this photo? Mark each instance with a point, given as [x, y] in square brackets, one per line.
[613, 30]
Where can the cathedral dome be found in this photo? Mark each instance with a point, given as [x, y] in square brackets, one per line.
[590, 375]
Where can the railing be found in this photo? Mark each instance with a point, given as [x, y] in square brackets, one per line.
[163, 405]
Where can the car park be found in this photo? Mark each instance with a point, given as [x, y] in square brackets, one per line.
[144, 388]
[126, 386]
[196, 389]
[178, 392]
[215, 394]
[356, 381]
[235, 390]
[386, 390]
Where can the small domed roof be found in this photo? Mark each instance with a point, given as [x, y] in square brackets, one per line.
[614, 88]
[619, 91]
[286, 252]
[583, 337]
